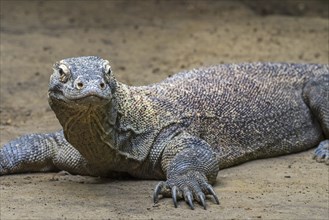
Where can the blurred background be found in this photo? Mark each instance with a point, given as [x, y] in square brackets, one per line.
[148, 40]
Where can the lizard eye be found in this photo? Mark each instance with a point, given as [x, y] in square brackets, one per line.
[64, 73]
[107, 67]
[61, 71]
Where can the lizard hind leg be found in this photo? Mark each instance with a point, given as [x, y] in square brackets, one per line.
[321, 153]
[316, 94]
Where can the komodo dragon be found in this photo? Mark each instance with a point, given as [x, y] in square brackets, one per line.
[182, 130]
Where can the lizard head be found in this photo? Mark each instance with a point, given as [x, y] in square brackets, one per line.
[82, 81]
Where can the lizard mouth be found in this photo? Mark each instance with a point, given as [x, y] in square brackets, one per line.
[93, 98]
[90, 99]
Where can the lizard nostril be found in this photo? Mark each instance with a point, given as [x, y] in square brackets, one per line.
[79, 85]
[102, 85]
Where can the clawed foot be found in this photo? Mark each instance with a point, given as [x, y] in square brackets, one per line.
[190, 186]
[321, 153]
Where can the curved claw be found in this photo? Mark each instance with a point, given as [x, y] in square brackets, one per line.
[212, 192]
[201, 197]
[189, 199]
[191, 186]
[157, 191]
[174, 195]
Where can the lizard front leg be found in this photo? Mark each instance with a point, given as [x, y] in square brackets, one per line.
[41, 153]
[190, 166]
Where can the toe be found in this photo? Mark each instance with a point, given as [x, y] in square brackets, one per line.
[174, 195]
[157, 191]
[211, 191]
[188, 196]
[201, 198]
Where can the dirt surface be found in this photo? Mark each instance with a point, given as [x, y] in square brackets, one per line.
[146, 42]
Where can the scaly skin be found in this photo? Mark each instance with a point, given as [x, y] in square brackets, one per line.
[181, 130]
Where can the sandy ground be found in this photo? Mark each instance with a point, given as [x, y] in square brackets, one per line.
[146, 42]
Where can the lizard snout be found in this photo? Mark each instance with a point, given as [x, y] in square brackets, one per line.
[84, 84]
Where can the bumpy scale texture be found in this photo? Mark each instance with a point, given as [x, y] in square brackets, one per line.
[182, 130]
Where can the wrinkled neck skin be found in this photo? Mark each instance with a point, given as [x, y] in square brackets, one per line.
[105, 135]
